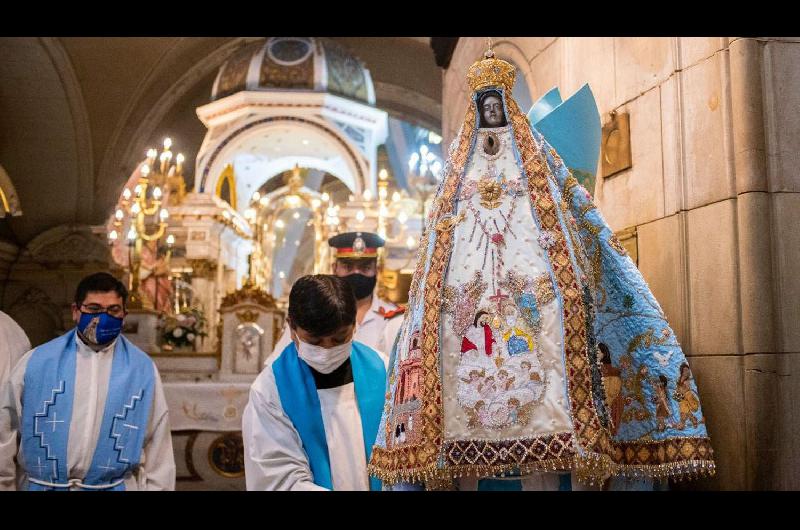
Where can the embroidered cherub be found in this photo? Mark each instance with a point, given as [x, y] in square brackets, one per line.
[505, 382]
[478, 415]
[513, 410]
[661, 400]
[487, 388]
[688, 403]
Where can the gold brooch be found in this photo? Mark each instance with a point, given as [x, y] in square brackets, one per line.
[491, 192]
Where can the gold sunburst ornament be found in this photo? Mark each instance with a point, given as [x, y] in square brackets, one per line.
[491, 193]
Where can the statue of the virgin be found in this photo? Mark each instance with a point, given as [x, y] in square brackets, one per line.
[531, 342]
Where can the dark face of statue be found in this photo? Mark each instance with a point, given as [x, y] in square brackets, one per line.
[492, 111]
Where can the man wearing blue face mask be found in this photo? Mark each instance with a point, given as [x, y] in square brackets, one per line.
[86, 411]
[314, 410]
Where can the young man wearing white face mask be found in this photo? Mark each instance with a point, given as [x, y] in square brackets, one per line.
[356, 260]
[314, 410]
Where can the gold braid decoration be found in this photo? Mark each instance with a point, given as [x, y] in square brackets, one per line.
[569, 188]
[591, 228]
[418, 462]
[672, 457]
[586, 208]
[590, 435]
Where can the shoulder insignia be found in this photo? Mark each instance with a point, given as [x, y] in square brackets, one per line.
[391, 314]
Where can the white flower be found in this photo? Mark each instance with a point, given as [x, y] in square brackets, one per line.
[190, 336]
[177, 333]
[546, 240]
[181, 317]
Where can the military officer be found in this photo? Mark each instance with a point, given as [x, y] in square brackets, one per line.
[377, 320]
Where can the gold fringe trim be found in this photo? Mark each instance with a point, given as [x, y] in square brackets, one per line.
[592, 469]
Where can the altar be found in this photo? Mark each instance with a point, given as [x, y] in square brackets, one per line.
[206, 422]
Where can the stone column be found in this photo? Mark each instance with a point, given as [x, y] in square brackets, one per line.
[204, 282]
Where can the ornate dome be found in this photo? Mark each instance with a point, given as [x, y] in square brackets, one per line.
[295, 63]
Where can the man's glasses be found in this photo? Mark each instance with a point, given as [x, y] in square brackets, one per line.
[116, 310]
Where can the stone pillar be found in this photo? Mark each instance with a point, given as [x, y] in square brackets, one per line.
[204, 283]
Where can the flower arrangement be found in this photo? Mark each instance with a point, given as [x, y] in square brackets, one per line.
[182, 330]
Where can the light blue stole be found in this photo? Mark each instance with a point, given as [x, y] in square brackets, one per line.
[47, 410]
[300, 401]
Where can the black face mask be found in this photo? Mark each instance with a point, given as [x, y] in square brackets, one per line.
[362, 285]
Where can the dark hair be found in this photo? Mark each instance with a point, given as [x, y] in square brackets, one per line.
[606, 353]
[321, 304]
[481, 98]
[478, 317]
[100, 282]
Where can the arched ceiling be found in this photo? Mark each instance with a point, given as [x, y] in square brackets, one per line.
[78, 113]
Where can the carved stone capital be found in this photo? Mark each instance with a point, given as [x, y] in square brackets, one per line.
[203, 268]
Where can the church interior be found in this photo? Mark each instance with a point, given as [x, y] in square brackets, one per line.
[210, 172]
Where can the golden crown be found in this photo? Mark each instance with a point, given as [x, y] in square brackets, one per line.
[490, 71]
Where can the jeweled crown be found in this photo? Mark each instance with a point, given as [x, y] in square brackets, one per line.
[491, 71]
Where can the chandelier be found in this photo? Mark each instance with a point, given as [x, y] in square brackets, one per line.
[141, 213]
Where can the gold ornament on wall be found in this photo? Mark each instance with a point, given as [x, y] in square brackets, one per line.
[626, 242]
[616, 144]
[249, 293]
[248, 315]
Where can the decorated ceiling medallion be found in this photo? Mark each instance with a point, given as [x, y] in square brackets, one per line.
[289, 51]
